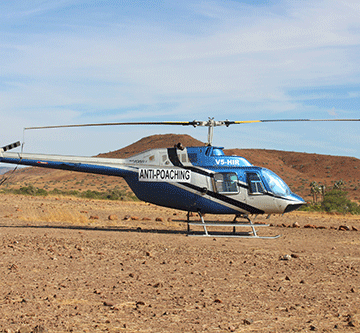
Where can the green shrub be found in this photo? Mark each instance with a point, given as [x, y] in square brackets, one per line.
[31, 190]
[114, 194]
[336, 201]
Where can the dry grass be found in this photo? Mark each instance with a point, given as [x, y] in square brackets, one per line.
[54, 215]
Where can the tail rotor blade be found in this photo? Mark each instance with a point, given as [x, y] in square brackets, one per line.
[11, 146]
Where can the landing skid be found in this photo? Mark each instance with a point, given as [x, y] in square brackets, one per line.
[234, 224]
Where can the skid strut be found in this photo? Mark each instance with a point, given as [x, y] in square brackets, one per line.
[233, 224]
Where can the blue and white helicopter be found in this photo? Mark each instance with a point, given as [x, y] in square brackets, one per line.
[194, 179]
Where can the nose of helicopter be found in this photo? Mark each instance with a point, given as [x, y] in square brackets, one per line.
[295, 204]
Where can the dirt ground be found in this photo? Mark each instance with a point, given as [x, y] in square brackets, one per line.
[71, 265]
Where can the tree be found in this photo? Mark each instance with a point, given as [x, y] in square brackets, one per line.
[315, 190]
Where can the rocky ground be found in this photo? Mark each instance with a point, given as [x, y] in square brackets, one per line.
[71, 265]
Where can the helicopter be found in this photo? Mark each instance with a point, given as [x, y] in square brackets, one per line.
[200, 180]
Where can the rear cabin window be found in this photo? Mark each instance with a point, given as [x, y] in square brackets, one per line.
[226, 183]
[255, 183]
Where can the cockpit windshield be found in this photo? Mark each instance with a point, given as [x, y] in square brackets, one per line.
[275, 183]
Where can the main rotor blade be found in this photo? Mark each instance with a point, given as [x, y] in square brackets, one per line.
[210, 123]
[184, 123]
[227, 122]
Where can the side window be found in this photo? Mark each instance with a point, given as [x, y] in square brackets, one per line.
[226, 183]
[256, 186]
[183, 158]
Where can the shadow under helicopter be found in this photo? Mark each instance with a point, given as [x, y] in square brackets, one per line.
[122, 229]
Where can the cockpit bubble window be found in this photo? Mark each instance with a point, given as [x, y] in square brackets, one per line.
[226, 183]
[275, 183]
[213, 151]
[218, 152]
[255, 183]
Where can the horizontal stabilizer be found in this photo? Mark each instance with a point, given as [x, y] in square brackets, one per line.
[11, 146]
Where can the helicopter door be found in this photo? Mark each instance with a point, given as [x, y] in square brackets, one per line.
[226, 183]
[255, 183]
[256, 191]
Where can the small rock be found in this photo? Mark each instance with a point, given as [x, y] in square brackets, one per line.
[127, 217]
[107, 303]
[25, 329]
[248, 321]
[159, 219]
[354, 228]
[79, 248]
[313, 328]
[310, 226]
[39, 329]
[344, 228]
[218, 301]
[294, 255]
[285, 257]
[296, 225]
[134, 218]
[146, 219]
[13, 267]
[287, 278]
[94, 217]
[112, 217]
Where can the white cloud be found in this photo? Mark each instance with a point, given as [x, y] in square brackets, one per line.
[243, 61]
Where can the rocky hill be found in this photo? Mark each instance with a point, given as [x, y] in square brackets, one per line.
[297, 169]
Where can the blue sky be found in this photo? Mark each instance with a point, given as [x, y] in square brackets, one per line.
[71, 62]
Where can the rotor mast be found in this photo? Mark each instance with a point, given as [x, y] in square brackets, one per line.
[211, 123]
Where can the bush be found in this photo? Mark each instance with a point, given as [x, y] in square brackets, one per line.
[114, 194]
[336, 201]
[31, 190]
